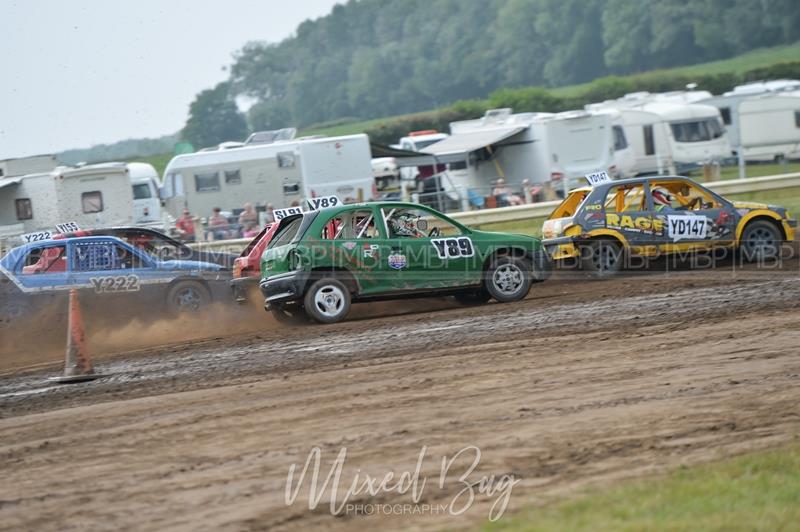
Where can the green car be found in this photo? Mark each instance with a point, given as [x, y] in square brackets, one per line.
[321, 261]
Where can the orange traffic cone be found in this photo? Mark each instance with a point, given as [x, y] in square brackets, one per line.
[78, 364]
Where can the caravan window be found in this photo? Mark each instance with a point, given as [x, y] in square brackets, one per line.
[24, 209]
[620, 142]
[797, 119]
[696, 131]
[726, 115]
[206, 182]
[286, 159]
[142, 191]
[92, 202]
[649, 141]
[233, 177]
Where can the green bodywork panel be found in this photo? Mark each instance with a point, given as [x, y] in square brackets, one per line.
[387, 263]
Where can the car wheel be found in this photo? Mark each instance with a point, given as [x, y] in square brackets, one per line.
[293, 315]
[760, 240]
[601, 257]
[327, 301]
[187, 296]
[508, 279]
[476, 297]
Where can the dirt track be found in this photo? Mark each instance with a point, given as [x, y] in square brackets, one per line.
[583, 383]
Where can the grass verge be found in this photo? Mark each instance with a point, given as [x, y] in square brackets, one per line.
[759, 491]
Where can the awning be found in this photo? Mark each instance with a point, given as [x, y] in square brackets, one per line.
[8, 182]
[464, 143]
[410, 158]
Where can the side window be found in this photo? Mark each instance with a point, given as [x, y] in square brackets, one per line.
[681, 196]
[233, 177]
[45, 260]
[24, 209]
[92, 202]
[620, 142]
[797, 119]
[207, 182]
[726, 115]
[286, 159]
[351, 225]
[417, 223]
[100, 256]
[626, 198]
[649, 141]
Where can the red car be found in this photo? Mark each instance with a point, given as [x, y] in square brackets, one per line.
[247, 266]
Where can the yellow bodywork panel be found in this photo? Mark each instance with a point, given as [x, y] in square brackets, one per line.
[789, 231]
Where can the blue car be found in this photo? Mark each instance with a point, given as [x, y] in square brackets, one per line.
[112, 277]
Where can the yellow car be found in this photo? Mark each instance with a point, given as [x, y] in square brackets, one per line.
[657, 215]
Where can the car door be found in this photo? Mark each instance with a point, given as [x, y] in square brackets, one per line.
[426, 251]
[114, 274]
[695, 219]
[628, 211]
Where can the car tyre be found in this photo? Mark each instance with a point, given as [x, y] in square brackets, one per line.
[187, 296]
[761, 240]
[508, 279]
[601, 257]
[327, 300]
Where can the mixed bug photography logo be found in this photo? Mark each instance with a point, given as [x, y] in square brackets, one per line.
[453, 481]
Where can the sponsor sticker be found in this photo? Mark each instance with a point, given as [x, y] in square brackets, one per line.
[686, 226]
[280, 214]
[323, 202]
[370, 250]
[597, 178]
[39, 236]
[397, 261]
[453, 248]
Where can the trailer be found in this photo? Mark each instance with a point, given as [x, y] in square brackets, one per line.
[540, 148]
[668, 135]
[90, 196]
[762, 118]
[282, 173]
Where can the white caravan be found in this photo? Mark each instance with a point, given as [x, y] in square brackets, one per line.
[91, 196]
[762, 119]
[417, 141]
[669, 136]
[282, 173]
[146, 200]
[538, 147]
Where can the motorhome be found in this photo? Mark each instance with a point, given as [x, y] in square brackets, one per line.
[27, 165]
[146, 200]
[762, 119]
[282, 173]
[537, 147]
[91, 196]
[669, 136]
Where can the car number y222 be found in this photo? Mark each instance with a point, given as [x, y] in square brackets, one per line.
[453, 248]
[112, 284]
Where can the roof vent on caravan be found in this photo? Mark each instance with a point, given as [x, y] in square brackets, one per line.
[268, 137]
[758, 87]
[497, 116]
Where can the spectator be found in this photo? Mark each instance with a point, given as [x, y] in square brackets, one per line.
[250, 230]
[504, 195]
[218, 225]
[532, 193]
[269, 214]
[185, 227]
[248, 215]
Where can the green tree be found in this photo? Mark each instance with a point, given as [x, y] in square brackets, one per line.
[214, 118]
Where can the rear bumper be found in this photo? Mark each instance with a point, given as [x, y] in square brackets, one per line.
[283, 288]
[242, 286]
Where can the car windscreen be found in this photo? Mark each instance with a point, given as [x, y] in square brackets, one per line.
[142, 191]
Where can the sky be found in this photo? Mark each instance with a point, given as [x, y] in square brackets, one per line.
[82, 72]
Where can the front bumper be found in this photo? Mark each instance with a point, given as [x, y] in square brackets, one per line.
[560, 248]
[789, 228]
[542, 265]
[283, 288]
[242, 286]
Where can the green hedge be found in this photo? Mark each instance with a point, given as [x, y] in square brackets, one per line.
[540, 99]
